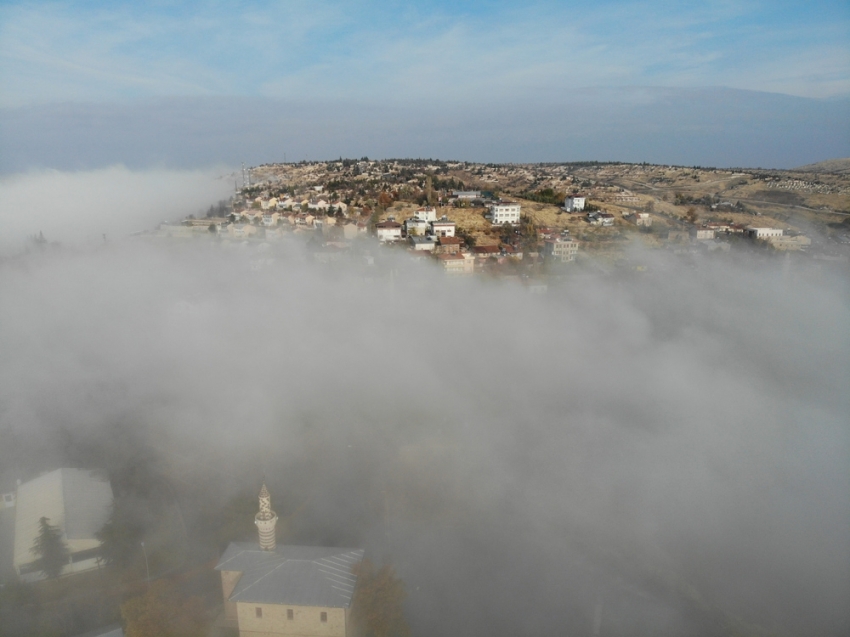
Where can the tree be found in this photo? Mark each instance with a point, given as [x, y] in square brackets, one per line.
[378, 604]
[691, 215]
[50, 549]
[121, 535]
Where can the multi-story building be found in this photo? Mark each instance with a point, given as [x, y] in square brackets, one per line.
[763, 233]
[564, 249]
[502, 212]
[75, 501]
[426, 213]
[458, 263]
[388, 230]
[574, 203]
[442, 227]
[416, 226]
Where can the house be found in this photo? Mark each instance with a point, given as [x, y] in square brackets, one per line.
[563, 249]
[512, 251]
[448, 245]
[241, 230]
[546, 232]
[350, 230]
[798, 242]
[423, 243]
[304, 219]
[574, 203]
[427, 214]
[467, 195]
[270, 218]
[606, 219]
[76, 501]
[443, 227]
[271, 590]
[458, 263]
[388, 230]
[502, 212]
[703, 234]
[643, 219]
[415, 226]
[763, 233]
[482, 253]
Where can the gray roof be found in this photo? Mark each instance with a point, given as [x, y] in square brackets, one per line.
[292, 575]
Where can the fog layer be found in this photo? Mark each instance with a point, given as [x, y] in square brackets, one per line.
[81, 207]
[658, 453]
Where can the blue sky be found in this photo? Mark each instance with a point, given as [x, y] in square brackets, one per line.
[453, 55]
[401, 52]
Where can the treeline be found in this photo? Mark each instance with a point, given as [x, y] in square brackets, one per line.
[546, 195]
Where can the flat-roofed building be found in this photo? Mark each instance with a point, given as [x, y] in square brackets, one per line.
[502, 212]
[459, 263]
[426, 213]
[763, 233]
[77, 501]
[563, 249]
[574, 203]
[388, 230]
[442, 227]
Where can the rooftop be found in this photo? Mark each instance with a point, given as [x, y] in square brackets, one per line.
[294, 575]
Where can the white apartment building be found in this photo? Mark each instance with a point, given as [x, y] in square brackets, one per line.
[443, 227]
[503, 212]
[414, 226]
[764, 233]
[428, 213]
[574, 202]
[388, 231]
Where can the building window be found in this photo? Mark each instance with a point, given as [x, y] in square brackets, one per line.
[324, 616]
[290, 614]
[258, 611]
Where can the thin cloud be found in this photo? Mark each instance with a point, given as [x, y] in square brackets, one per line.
[373, 53]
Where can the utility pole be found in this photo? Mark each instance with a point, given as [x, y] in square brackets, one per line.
[147, 569]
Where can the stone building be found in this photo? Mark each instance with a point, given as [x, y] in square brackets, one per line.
[272, 590]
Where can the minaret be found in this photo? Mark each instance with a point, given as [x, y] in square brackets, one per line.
[266, 520]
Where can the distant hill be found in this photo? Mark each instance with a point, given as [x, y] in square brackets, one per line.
[837, 166]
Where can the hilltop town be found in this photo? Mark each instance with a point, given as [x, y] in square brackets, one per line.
[530, 219]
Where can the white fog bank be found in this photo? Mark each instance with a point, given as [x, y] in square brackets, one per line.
[75, 208]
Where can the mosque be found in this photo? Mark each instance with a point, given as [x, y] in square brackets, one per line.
[272, 590]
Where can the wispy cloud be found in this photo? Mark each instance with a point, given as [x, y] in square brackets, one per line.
[382, 52]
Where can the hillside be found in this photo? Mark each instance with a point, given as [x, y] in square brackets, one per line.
[835, 166]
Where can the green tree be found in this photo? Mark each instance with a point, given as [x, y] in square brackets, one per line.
[377, 609]
[50, 549]
[121, 536]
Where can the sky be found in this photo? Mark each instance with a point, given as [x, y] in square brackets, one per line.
[414, 73]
